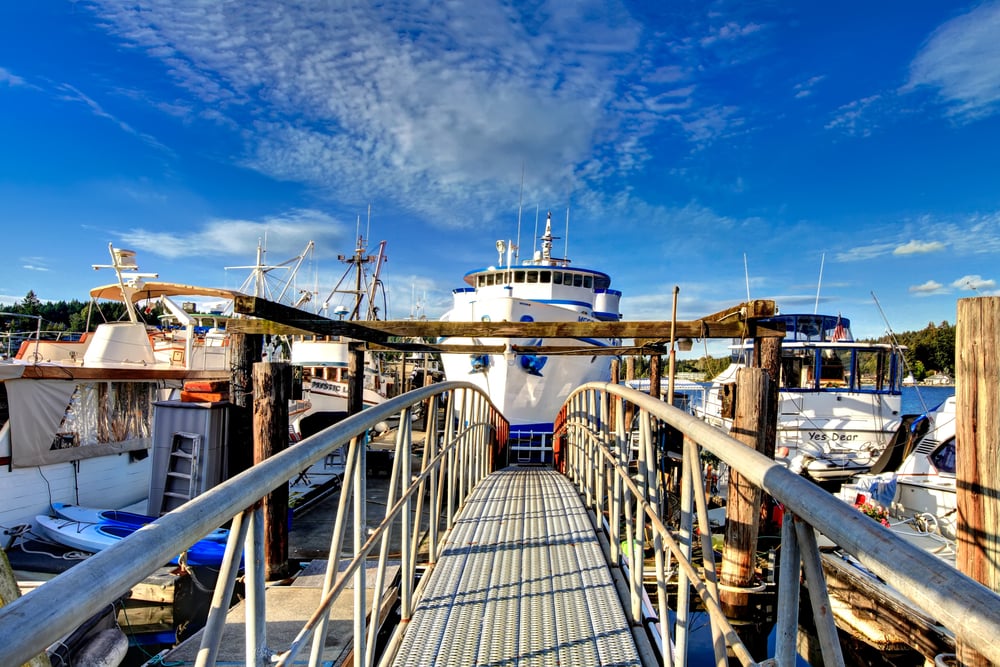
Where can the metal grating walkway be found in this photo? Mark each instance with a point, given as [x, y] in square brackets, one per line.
[521, 582]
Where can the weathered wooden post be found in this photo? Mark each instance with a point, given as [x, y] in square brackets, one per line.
[272, 384]
[743, 506]
[246, 350]
[767, 355]
[977, 435]
[655, 374]
[355, 378]
[629, 375]
[615, 379]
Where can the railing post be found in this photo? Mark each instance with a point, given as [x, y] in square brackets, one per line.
[789, 580]
[434, 504]
[336, 544]
[407, 542]
[819, 596]
[211, 635]
[359, 530]
[685, 538]
[256, 612]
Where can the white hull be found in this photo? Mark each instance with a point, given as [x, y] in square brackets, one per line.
[526, 396]
[920, 495]
[331, 396]
[836, 414]
[529, 389]
[107, 481]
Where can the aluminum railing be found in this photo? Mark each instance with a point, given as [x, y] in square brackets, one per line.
[454, 460]
[598, 451]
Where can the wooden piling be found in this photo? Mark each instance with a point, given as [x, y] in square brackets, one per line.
[767, 355]
[655, 375]
[272, 385]
[355, 378]
[246, 350]
[743, 506]
[977, 346]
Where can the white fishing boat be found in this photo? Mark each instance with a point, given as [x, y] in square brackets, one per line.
[324, 360]
[839, 399]
[76, 416]
[913, 484]
[528, 388]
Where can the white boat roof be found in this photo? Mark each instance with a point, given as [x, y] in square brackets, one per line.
[156, 289]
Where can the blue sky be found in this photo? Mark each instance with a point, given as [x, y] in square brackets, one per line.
[826, 151]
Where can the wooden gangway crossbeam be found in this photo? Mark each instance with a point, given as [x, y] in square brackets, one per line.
[278, 319]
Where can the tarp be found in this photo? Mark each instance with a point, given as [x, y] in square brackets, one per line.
[42, 429]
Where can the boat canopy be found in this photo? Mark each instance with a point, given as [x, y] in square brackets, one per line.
[156, 289]
[812, 328]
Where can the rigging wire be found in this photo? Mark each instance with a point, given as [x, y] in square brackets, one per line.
[897, 346]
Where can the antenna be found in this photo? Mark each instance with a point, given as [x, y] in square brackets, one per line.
[820, 283]
[746, 274]
[566, 245]
[520, 199]
[534, 244]
[895, 344]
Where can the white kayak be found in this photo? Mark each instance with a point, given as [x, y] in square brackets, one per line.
[94, 537]
[84, 535]
[121, 517]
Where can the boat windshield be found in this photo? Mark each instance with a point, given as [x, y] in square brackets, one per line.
[847, 368]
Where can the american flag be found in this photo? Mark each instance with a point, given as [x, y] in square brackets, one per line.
[840, 331]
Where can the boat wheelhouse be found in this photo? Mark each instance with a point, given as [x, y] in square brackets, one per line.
[839, 399]
[529, 388]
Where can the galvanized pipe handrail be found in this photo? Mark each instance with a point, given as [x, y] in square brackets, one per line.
[41, 617]
[967, 608]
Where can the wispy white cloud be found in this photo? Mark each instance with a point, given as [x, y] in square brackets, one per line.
[974, 283]
[859, 117]
[866, 252]
[419, 103]
[9, 78]
[959, 61]
[915, 247]
[71, 94]
[283, 235]
[729, 31]
[929, 288]
[805, 88]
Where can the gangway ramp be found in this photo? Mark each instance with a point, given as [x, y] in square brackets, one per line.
[522, 581]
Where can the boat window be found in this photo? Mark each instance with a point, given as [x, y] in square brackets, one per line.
[798, 369]
[943, 457]
[835, 368]
[809, 327]
[873, 370]
[544, 276]
[532, 277]
[557, 278]
[519, 276]
[491, 279]
[588, 282]
[577, 280]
